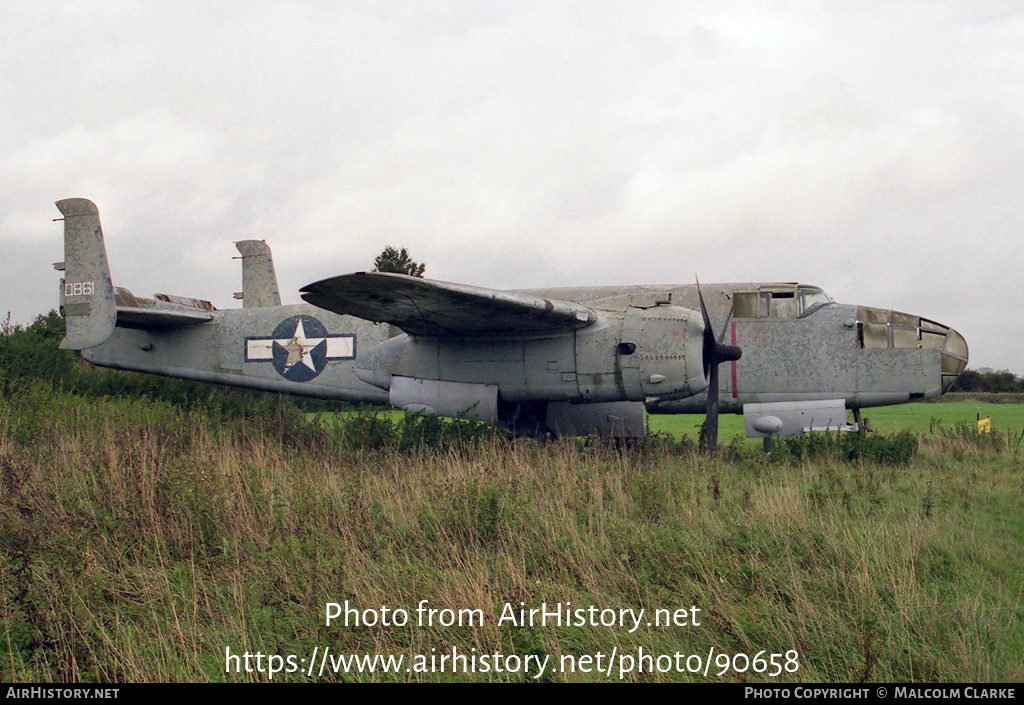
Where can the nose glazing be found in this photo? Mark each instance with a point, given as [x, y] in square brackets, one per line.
[954, 358]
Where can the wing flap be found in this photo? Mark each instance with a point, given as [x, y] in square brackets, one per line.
[433, 308]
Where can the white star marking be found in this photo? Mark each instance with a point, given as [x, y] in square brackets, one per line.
[299, 348]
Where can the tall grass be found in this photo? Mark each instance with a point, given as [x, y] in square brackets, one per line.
[139, 541]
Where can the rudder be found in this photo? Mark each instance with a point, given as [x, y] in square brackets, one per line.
[87, 294]
[259, 281]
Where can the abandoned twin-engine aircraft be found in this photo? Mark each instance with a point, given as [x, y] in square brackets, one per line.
[565, 360]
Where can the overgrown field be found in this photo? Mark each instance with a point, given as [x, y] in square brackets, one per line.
[919, 418]
[142, 542]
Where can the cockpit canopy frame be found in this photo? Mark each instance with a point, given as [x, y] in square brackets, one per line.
[780, 301]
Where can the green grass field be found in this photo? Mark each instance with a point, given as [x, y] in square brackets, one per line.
[143, 543]
[918, 418]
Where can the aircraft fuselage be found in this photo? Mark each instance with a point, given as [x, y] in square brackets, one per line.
[237, 347]
[868, 357]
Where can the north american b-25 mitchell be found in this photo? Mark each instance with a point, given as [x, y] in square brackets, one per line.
[563, 360]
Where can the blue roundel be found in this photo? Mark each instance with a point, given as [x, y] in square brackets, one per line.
[300, 348]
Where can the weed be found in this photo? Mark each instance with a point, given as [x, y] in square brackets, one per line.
[140, 536]
[895, 449]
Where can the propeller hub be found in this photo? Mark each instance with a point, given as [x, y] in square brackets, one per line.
[725, 353]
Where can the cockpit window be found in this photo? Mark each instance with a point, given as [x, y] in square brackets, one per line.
[811, 299]
[751, 304]
[779, 301]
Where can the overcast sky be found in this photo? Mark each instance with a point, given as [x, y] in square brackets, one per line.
[875, 149]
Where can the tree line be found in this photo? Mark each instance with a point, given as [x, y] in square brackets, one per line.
[994, 382]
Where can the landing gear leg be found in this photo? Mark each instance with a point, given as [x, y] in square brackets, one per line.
[524, 418]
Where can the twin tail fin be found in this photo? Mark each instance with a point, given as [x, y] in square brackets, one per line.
[86, 292]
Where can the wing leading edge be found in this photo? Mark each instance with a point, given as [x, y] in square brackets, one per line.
[432, 308]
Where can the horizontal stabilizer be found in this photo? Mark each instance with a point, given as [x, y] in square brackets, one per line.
[162, 311]
[159, 318]
[432, 308]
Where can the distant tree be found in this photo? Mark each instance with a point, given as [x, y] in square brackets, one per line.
[988, 381]
[31, 352]
[398, 262]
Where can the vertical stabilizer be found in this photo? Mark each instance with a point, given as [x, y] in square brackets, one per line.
[87, 295]
[259, 280]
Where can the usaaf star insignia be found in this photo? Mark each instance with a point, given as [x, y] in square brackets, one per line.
[300, 348]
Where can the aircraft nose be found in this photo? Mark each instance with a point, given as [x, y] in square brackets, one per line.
[954, 358]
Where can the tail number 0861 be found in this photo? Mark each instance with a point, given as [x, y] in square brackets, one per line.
[78, 289]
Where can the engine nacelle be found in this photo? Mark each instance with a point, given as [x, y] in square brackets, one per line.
[639, 355]
[657, 353]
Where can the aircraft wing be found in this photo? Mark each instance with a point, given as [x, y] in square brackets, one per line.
[432, 308]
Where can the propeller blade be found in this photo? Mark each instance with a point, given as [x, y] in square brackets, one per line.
[711, 414]
[704, 313]
[725, 327]
[715, 353]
